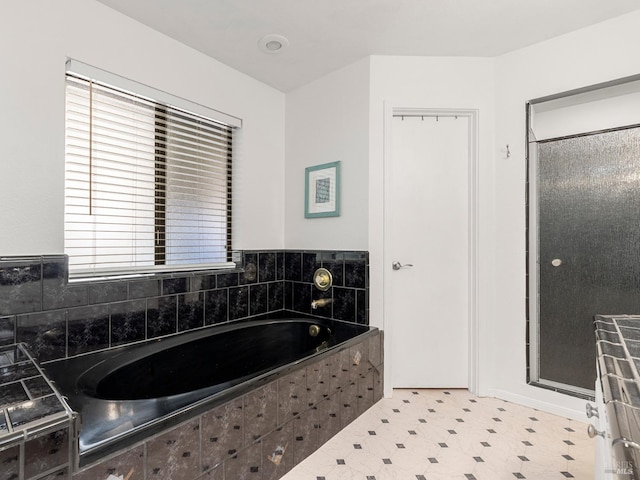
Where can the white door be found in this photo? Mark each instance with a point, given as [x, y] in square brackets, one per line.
[427, 227]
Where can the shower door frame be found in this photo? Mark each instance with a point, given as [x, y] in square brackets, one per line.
[533, 278]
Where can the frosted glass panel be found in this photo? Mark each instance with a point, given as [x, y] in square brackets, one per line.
[589, 246]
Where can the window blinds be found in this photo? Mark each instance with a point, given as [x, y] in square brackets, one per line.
[147, 185]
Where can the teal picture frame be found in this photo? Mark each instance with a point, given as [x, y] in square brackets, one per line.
[322, 190]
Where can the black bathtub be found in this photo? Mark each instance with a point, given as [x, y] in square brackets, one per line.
[128, 393]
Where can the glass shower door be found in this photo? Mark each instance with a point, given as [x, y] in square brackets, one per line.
[588, 212]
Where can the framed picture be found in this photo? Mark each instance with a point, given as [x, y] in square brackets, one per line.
[322, 190]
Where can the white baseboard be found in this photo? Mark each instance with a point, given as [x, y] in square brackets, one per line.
[555, 403]
[535, 397]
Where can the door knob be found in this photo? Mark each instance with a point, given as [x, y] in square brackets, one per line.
[397, 265]
[556, 262]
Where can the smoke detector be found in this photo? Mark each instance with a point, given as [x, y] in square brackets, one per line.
[273, 43]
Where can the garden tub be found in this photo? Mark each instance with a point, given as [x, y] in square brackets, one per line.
[125, 394]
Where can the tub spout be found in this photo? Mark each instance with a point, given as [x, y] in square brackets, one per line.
[321, 302]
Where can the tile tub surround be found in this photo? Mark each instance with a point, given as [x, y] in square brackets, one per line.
[58, 319]
[264, 433]
[350, 291]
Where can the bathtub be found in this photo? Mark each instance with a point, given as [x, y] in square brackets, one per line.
[125, 394]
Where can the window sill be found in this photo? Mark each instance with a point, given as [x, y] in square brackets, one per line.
[160, 273]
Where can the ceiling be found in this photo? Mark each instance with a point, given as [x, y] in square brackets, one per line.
[325, 35]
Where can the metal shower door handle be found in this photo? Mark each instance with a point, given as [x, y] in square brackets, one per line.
[397, 265]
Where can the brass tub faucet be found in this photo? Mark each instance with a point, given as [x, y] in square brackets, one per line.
[321, 302]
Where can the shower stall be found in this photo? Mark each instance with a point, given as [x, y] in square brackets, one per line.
[583, 209]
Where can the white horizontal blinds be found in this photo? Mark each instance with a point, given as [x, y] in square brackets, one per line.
[147, 185]
[198, 188]
[109, 184]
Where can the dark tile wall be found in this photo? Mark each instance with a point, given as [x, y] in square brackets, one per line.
[263, 434]
[350, 291]
[58, 319]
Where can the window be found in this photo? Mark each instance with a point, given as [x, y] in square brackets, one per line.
[147, 185]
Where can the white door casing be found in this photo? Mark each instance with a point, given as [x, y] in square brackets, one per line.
[430, 221]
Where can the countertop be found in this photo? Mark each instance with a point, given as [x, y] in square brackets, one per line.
[29, 402]
[618, 350]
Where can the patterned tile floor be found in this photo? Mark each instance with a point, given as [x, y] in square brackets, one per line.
[451, 434]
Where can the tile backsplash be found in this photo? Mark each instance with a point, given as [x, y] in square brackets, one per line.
[57, 319]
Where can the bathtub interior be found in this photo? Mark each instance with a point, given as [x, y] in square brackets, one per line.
[195, 362]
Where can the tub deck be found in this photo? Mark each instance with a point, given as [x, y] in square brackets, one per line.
[123, 395]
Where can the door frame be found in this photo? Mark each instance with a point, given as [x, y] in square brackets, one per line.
[391, 110]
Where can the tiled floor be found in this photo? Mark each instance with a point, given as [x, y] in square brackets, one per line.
[451, 434]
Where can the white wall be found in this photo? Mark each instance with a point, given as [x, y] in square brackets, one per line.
[37, 36]
[557, 119]
[338, 117]
[600, 53]
[463, 83]
[327, 121]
